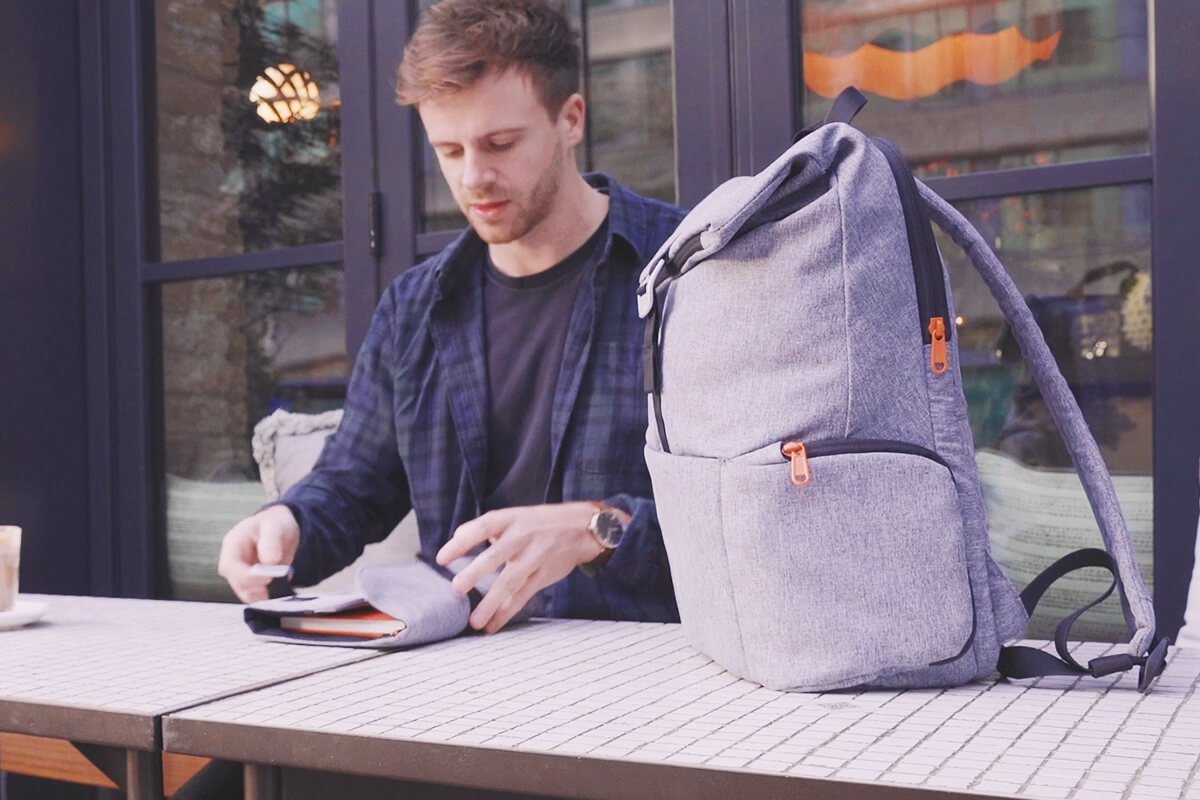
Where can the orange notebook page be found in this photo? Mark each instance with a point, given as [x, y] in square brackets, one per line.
[364, 623]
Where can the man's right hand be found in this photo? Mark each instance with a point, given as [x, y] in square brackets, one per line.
[269, 537]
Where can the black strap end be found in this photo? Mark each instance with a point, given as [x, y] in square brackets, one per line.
[1152, 665]
[280, 587]
[1107, 665]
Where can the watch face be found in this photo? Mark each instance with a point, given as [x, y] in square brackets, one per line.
[607, 527]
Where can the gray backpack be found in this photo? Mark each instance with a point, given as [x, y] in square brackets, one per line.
[813, 467]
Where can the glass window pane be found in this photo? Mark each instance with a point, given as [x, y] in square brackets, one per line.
[965, 85]
[1082, 258]
[439, 212]
[234, 349]
[631, 92]
[629, 84]
[237, 173]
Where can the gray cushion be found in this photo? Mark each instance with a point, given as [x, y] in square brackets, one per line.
[198, 515]
[286, 446]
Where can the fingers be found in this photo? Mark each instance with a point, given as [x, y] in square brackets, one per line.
[474, 533]
[270, 545]
[252, 594]
[535, 545]
[486, 563]
[513, 606]
[238, 553]
[512, 590]
[270, 537]
[278, 536]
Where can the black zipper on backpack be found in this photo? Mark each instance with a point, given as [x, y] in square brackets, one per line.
[932, 305]
[799, 452]
[651, 352]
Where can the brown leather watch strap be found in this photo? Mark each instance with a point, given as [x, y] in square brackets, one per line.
[606, 553]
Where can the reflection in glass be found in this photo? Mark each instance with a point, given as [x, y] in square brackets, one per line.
[1082, 259]
[629, 84]
[248, 147]
[966, 86]
[630, 88]
[234, 349]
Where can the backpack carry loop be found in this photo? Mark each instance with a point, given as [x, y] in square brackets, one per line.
[845, 108]
[1145, 649]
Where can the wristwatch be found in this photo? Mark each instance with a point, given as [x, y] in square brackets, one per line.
[607, 528]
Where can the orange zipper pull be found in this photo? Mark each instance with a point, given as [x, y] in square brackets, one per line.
[799, 456]
[939, 360]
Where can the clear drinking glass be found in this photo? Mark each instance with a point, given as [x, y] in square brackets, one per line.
[10, 563]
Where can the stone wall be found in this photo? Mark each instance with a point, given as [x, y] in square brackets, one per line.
[229, 184]
[204, 345]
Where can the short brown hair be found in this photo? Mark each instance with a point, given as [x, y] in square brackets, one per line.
[459, 41]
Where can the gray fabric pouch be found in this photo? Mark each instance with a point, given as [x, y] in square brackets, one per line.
[418, 594]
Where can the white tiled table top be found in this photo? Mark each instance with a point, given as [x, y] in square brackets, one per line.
[634, 692]
[140, 659]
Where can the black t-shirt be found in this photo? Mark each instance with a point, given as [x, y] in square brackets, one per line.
[525, 330]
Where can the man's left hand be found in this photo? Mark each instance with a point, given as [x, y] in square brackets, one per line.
[536, 545]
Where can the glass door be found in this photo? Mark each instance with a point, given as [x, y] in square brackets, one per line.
[246, 261]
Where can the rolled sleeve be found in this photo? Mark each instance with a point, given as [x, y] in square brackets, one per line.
[641, 558]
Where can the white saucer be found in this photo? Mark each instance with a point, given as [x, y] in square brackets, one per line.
[23, 612]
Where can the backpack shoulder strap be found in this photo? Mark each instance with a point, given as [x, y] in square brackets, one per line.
[1137, 603]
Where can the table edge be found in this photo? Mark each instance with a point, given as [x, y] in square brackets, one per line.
[505, 769]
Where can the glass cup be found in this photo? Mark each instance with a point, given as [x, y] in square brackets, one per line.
[10, 562]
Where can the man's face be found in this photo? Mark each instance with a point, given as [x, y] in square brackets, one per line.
[501, 153]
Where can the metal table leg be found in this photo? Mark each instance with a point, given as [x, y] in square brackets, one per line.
[263, 782]
[143, 775]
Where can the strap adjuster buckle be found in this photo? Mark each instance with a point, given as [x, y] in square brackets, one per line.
[1150, 666]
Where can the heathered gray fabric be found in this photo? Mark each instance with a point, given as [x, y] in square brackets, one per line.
[864, 574]
[803, 325]
[414, 593]
[421, 597]
[698, 553]
[431, 608]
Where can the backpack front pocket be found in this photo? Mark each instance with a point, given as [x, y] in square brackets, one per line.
[848, 567]
[854, 576]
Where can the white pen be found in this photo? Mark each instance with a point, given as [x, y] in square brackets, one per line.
[272, 570]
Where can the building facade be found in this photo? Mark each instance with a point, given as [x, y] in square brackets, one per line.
[249, 186]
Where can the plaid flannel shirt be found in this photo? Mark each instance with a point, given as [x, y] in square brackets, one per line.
[414, 432]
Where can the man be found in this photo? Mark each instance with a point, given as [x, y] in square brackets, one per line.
[498, 391]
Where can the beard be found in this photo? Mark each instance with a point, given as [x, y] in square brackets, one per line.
[526, 212]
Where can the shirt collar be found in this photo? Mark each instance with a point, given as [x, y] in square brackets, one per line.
[626, 221]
